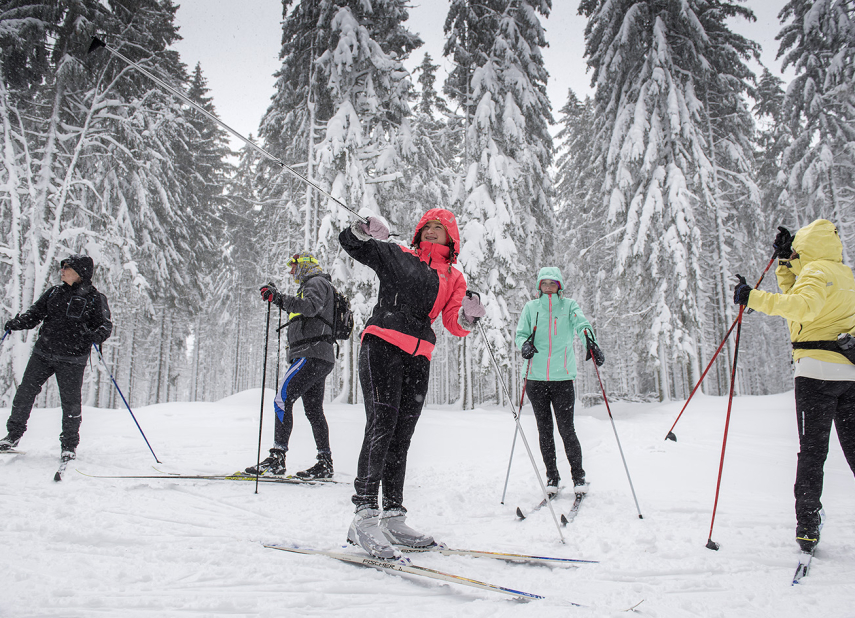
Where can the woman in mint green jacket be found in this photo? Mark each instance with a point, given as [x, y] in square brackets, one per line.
[551, 369]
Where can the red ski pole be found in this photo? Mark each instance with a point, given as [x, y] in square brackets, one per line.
[670, 435]
[710, 543]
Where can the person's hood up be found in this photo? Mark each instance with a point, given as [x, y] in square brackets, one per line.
[82, 265]
[818, 241]
[446, 217]
[552, 273]
[307, 266]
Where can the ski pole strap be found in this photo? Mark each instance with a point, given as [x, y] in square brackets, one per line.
[830, 346]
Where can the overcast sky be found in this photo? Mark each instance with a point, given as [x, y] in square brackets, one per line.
[237, 43]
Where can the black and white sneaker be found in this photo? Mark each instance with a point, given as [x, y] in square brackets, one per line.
[272, 466]
[321, 470]
[580, 487]
[8, 443]
[552, 485]
[807, 532]
[67, 456]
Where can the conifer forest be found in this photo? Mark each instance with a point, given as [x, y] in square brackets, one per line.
[650, 195]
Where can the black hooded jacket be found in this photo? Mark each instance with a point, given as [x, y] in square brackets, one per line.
[73, 317]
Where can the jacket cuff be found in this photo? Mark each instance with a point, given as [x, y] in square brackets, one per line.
[356, 228]
[463, 322]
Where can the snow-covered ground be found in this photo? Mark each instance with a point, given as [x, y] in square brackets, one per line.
[99, 547]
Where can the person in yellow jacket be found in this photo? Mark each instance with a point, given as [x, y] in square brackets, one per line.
[818, 301]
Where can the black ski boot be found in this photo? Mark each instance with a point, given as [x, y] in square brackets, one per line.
[807, 531]
[321, 470]
[272, 466]
[8, 443]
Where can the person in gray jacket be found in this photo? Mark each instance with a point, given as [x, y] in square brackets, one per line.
[310, 352]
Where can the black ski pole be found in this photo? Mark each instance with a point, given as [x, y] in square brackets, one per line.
[614, 428]
[519, 427]
[519, 412]
[99, 44]
[263, 386]
[710, 543]
[127, 405]
[670, 435]
[278, 346]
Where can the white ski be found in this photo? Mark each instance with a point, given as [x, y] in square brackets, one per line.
[448, 551]
[405, 566]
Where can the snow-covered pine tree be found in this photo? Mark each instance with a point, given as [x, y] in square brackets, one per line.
[499, 81]
[367, 136]
[674, 133]
[818, 42]
[93, 163]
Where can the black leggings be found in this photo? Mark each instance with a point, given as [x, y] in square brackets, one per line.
[69, 379]
[818, 403]
[561, 395]
[394, 385]
[306, 378]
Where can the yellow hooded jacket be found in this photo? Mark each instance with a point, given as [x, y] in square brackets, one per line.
[818, 299]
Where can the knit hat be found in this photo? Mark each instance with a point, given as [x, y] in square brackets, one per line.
[307, 266]
[82, 265]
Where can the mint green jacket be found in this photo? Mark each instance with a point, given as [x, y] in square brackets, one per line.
[558, 320]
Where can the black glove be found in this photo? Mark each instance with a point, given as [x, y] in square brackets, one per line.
[13, 324]
[845, 341]
[783, 244]
[528, 350]
[271, 294]
[741, 291]
[595, 351]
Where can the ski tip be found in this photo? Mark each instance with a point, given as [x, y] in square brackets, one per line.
[96, 44]
[712, 545]
[671, 436]
[520, 513]
[57, 477]
[564, 521]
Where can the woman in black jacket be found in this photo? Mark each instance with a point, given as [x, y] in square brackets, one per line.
[417, 285]
[73, 315]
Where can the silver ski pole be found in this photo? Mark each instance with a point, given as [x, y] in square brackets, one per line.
[510, 461]
[611, 418]
[519, 413]
[98, 44]
[520, 430]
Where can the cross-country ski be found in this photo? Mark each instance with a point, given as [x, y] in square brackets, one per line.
[406, 566]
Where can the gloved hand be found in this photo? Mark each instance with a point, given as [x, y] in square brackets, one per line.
[845, 341]
[12, 324]
[271, 294]
[375, 228]
[528, 350]
[595, 351]
[473, 310]
[783, 244]
[741, 291]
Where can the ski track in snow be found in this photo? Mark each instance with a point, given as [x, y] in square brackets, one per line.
[188, 548]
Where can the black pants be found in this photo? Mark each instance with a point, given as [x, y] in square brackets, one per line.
[306, 378]
[394, 385]
[818, 403]
[69, 378]
[562, 397]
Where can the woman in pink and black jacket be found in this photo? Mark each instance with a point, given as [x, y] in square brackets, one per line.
[417, 284]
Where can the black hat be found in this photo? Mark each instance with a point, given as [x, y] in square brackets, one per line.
[82, 265]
